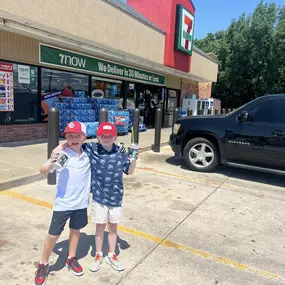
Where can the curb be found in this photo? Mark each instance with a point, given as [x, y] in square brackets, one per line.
[21, 181]
[37, 176]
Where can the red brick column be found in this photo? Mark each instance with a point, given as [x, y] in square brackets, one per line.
[200, 89]
[205, 90]
[189, 88]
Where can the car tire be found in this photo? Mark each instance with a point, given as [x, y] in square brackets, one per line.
[207, 160]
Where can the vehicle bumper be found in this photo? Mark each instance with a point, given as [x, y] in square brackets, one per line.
[175, 143]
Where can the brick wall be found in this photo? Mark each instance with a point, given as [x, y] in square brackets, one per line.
[202, 90]
[12, 133]
[205, 90]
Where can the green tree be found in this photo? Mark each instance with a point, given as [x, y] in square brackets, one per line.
[251, 54]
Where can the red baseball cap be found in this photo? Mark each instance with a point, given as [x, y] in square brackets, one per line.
[107, 129]
[75, 127]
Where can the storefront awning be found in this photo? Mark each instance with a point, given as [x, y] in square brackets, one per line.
[48, 35]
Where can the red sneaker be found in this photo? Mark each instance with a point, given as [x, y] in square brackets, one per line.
[41, 274]
[73, 265]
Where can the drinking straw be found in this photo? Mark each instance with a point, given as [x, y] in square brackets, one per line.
[133, 135]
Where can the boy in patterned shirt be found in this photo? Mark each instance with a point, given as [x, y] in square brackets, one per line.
[108, 163]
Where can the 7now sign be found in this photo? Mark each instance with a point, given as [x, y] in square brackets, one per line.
[184, 30]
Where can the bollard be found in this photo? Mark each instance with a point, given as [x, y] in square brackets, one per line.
[189, 112]
[200, 112]
[217, 112]
[53, 139]
[229, 110]
[103, 115]
[223, 111]
[136, 125]
[209, 112]
[175, 117]
[157, 134]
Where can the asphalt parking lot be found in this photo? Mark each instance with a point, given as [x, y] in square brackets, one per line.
[179, 227]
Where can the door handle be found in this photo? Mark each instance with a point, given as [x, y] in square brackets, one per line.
[278, 133]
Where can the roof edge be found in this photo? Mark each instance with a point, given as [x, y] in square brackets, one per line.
[206, 55]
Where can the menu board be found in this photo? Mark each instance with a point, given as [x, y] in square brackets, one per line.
[6, 87]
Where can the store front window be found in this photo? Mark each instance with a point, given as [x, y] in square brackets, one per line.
[149, 100]
[18, 93]
[57, 84]
[106, 88]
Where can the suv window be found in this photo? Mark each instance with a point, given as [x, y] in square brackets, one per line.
[271, 111]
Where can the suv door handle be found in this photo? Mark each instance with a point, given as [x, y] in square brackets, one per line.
[278, 133]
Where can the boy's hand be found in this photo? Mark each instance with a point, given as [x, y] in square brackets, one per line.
[53, 159]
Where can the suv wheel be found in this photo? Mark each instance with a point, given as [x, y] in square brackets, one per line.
[201, 155]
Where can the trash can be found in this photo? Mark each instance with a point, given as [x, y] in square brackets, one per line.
[168, 118]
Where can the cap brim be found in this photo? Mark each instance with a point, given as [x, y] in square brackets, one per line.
[64, 133]
[107, 133]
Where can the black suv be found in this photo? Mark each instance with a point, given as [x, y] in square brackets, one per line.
[251, 137]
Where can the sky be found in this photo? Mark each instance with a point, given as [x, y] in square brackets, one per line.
[214, 15]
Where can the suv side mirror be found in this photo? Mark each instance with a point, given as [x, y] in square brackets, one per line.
[243, 117]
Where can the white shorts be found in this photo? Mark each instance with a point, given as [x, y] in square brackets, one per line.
[102, 214]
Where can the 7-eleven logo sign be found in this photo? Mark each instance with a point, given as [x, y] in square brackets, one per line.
[184, 30]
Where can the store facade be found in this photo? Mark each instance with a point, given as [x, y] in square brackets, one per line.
[39, 65]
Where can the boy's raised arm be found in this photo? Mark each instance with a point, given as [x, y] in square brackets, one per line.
[132, 167]
[48, 166]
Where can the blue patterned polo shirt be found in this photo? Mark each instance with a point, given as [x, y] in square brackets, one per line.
[107, 169]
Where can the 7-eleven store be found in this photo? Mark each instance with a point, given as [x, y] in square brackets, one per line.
[108, 49]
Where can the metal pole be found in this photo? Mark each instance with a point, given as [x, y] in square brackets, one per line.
[189, 112]
[175, 117]
[223, 111]
[157, 134]
[229, 110]
[103, 115]
[136, 124]
[53, 139]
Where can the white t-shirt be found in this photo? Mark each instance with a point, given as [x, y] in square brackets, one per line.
[73, 183]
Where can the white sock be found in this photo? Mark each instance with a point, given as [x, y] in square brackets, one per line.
[43, 263]
[99, 253]
[110, 254]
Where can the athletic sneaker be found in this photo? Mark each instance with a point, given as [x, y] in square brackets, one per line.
[114, 262]
[41, 274]
[73, 265]
[96, 264]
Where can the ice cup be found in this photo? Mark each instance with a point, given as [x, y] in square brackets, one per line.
[61, 160]
[133, 150]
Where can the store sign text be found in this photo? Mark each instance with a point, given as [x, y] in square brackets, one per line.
[72, 61]
[59, 57]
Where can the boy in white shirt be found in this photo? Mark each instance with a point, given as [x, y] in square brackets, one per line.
[72, 199]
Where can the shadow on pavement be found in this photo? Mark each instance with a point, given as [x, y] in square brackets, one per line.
[85, 243]
[238, 173]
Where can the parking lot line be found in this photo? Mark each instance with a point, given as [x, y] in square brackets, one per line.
[197, 180]
[161, 241]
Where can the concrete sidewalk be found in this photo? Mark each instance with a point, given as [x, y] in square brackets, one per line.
[20, 161]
